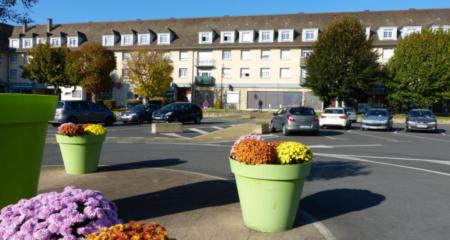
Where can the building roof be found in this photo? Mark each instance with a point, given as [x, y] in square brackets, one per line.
[186, 30]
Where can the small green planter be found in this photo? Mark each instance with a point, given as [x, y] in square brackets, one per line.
[80, 153]
[269, 194]
[23, 127]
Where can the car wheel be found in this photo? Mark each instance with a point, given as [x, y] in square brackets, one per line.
[349, 125]
[140, 120]
[363, 129]
[316, 133]
[109, 121]
[198, 120]
[125, 122]
[72, 120]
[272, 128]
[285, 131]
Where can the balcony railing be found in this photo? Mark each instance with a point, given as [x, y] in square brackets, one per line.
[206, 62]
[204, 81]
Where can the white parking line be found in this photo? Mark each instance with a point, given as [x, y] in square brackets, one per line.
[377, 137]
[175, 135]
[425, 138]
[217, 127]
[198, 130]
[406, 159]
[332, 138]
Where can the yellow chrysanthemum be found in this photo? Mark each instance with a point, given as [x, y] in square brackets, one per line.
[95, 129]
[293, 152]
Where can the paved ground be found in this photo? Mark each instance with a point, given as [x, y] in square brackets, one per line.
[364, 184]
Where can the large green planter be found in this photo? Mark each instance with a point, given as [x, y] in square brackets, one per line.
[269, 194]
[23, 127]
[81, 153]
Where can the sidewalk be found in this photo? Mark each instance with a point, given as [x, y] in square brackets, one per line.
[191, 206]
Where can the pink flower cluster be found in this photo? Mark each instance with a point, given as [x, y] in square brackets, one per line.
[70, 215]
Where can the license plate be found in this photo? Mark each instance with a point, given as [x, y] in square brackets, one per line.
[304, 126]
[422, 126]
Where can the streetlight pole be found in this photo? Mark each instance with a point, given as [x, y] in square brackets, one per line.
[221, 86]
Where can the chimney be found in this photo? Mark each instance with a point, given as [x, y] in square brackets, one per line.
[24, 27]
[49, 25]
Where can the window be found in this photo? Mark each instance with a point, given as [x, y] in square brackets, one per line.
[226, 55]
[265, 73]
[127, 40]
[72, 42]
[13, 59]
[245, 55]
[285, 35]
[245, 72]
[367, 33]
[205, 37]
[55, 42]
[144, 39]
[126, 56]
[246, 36]
[227, 37]
[226, 73]
[13, 74]
[408, 30]
[27, 42]
[163, 38]
[183, 72]
[387, 33]
[41, 40]
[303, 74]
[310, 34]
[108, 40]
[266, 36]
[285, 73]
[184, 55]
[387, 53]
[285, 54]
[265, 54]
[14, 43]
[305, 53]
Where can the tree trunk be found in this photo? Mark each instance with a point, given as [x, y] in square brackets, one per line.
[93, 98]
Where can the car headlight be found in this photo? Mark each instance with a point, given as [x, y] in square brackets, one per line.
[432, 123]
[411, 122]
[168, 114]
[384, 121]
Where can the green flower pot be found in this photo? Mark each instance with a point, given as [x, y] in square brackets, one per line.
[269, 194]
[23, 127]
[80, 153]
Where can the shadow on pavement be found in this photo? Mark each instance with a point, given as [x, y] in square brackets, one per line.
[325, 132]
[142, 164]
[177, 199]
[331, 203]
[336, 169]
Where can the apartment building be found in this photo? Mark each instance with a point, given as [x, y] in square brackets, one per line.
[240, 60]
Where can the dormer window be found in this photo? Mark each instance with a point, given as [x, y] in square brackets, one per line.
[14, 43]
[246, 36]
[127, 40]
[367, 33]
[408, 30]
[108, 40]
[310, 34]
[27, 42]
[205, 37]
[285, 35]
[72, 42]
[387, 33]
[163, 38]
[41, 40]
[227, 37]
[265, 35]
[55, 42]
[144, 39]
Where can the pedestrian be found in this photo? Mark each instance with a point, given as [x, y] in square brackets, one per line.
[260, 105]
[205, 104]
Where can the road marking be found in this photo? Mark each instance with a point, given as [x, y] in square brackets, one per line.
[345, 146]
[347, 157]
[420, 137]
[198, 130]
[406, 159]
[174, 135]
[377, 137]
[217, 127]
[332, 138]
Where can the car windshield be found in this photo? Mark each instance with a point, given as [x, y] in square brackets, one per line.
[299, 111]
[137, 108]
[168, 108]
[334, 111]
[377, 112]
[420, 114]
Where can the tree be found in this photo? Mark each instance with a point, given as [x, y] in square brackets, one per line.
[419, 71]
[149, 73]
[343, 64]
[48, 65]
[9, 12]
[95, 64]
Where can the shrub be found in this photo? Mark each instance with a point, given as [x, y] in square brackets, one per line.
[253, 151]
[293, 152]
[218, 104]
[110, 104]
[71, 214]
[131, 230]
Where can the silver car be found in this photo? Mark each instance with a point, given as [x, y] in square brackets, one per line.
[351, 113]
[421, 120]
[295, 119]
[82, 112]
[377, 119]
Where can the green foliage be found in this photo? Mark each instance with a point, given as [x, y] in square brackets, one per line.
[343, 64]
[217, 104]
[158, 100]
[419, 71]
[9, 10]
[110, 103]
[48, 65]
[150, 73]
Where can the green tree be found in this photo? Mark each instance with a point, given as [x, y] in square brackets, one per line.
[9, 10]
[48, 65]
[343, 64]
[150, 73]
[95, 64]
[419, 71]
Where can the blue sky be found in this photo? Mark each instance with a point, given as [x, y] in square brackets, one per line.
[64, 11]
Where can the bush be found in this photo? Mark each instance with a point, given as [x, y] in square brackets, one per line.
[133, 102]
[218, 104]
[110, 104]
[131, 230]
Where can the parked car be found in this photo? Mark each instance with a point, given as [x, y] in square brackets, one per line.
[421, 119]
[334, 117]
[179, 112]
[377, 118]
[82, 112]
[295, 119]
[139, 113]
[351, 113]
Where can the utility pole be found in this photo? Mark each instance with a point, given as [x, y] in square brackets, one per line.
[221, 86]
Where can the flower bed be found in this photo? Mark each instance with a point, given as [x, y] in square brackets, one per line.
[131, 230]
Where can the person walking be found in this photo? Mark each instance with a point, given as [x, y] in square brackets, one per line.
[260, 105]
